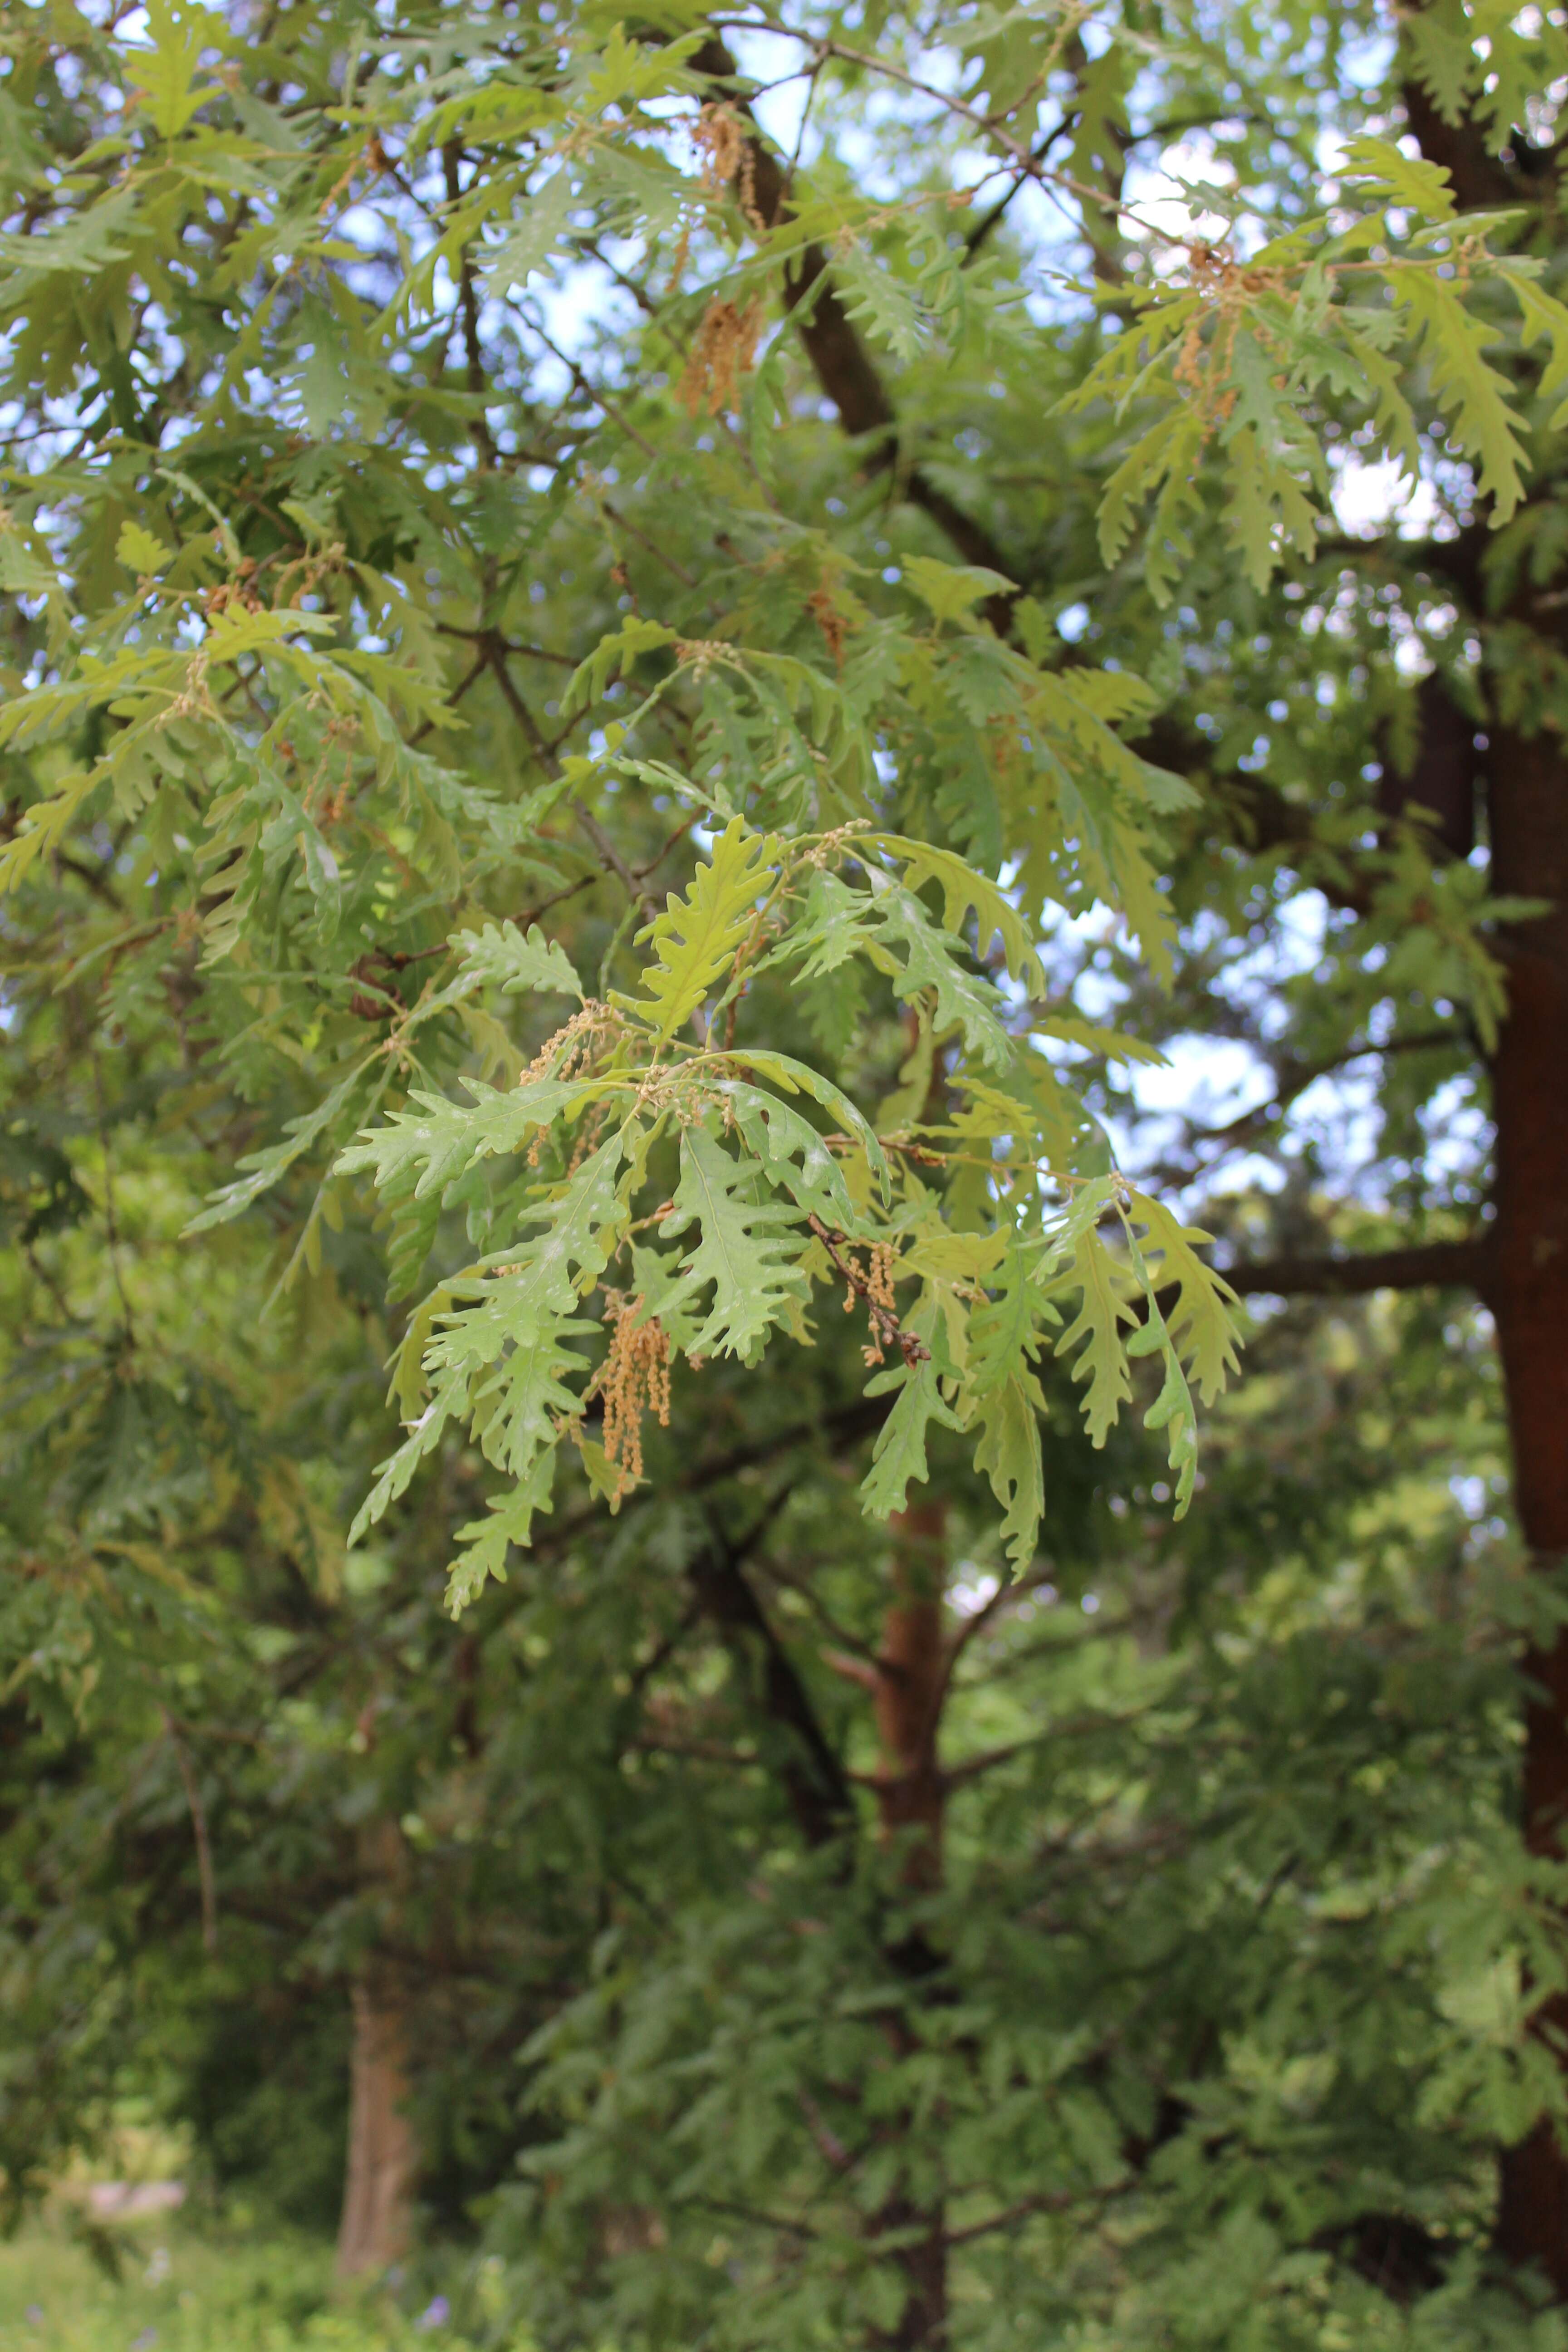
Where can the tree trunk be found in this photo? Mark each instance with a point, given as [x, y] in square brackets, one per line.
[1528, 1293]
[377, 2218]
[1526, 1282]
[377, 2221]
[907, 1694]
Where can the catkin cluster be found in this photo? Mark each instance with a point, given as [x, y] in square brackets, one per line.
[723, 350]
[636, 1380]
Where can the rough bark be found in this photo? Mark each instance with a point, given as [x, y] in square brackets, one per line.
[378, 2188]
[377, 2221]
[1528, 1293]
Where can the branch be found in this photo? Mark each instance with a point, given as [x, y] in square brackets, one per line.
[842, 1428]
[846, 1425]
[662, 1651]
[1291, 1080]
[1006, 1595]
[850, 1643]
[480, 428]
[987, 1761]
[1078, 1727]
[988, 221]
[843, 367]
[697, 1751]
[1261, 816]
[763, 2221]
[1444, 1264]
[199, 1827]
[494, 650]
[1390, 2251]
[1061, 2201]
[813, 1776]
[828, 2145]
[884, 1322]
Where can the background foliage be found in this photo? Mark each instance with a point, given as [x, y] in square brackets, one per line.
[649, 663]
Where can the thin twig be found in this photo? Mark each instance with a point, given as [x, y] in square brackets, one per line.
[199, 1825]
[888, 1329]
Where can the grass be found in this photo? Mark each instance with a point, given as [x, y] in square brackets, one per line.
[180, 2290]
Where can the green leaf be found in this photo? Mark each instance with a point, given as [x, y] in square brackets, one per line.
[1172, 1408]
[486, 1542]
[962, 888]
[898, 1457]
[1094, 1039]
[1168, 450]
[748, 1249]
[539, 227]
[439, 1140]
[1200, 1320]
[952, 591]
[397, 1473]
[1485, 419]
[700, 934]
[799, 1078]
[1546, 316]
[261, 1170]
[778, 1137]
[1103, 1311]
[77, 245]
[1440, 37]
[965, 1001]
[1008, 1453]
[1376, 168]
[612, 656]
[1003, 1397]
[503, 957]
[506, 1334]
[168, 90]
[881, 303]
[140, 552]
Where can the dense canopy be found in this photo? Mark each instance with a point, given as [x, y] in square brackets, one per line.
[768, 747]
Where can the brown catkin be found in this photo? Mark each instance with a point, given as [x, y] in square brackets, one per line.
[724, 348]
[720, 142]
[636, 1380]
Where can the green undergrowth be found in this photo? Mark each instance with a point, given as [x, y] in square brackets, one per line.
[184, 2290]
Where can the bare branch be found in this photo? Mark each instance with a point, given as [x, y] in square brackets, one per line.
[1427, 1265]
